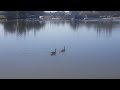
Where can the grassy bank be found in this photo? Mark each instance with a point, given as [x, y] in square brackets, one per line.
[2, 17]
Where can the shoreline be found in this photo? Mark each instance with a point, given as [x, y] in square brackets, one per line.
[107, 19]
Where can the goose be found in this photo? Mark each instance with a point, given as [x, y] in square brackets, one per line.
[53, 53]
[63, 50]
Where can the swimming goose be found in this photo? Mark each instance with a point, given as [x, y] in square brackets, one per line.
[53, 53]
[63, 50]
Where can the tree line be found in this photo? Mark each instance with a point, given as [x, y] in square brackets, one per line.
[21, 14]
[58, 14]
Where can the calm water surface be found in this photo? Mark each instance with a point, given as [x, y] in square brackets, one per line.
[92, 49]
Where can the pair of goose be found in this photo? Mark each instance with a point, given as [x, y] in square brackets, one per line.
[54, 53]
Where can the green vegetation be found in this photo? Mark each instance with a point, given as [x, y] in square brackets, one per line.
[2, 17]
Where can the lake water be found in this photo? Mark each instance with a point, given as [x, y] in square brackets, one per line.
[92, 49]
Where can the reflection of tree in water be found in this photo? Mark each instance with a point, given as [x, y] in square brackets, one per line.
[103, 26]
[99, 26]
[58, 22]
[21, 27]
[76, 24]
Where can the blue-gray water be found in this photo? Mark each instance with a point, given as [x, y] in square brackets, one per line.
[92, 49]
